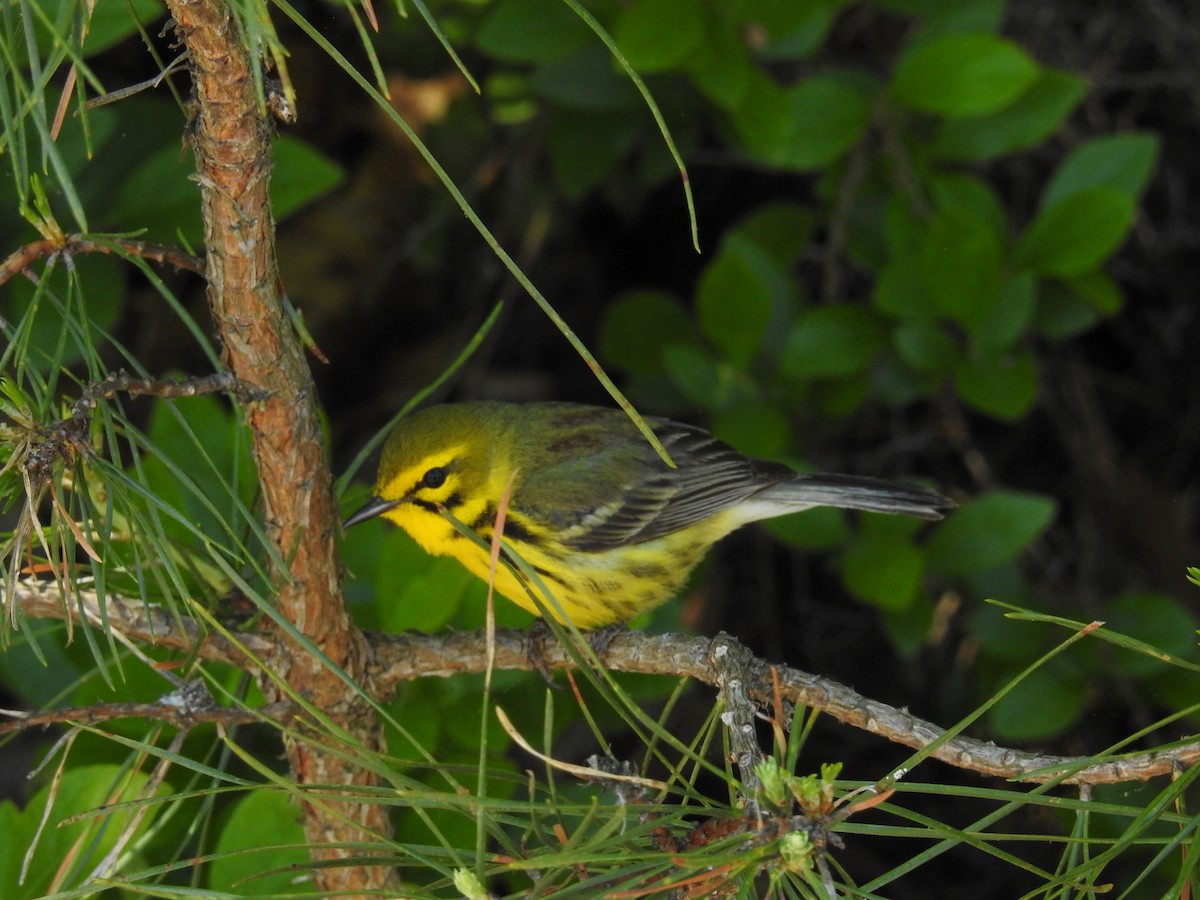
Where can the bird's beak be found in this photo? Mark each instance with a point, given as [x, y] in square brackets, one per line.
[376, 506]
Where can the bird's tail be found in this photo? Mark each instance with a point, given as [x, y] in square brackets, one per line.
[856, 492]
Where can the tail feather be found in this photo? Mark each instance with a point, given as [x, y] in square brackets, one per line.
[855, 492]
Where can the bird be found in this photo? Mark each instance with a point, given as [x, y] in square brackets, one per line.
[608, 528]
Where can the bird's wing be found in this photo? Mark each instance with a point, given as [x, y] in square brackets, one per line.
[645, 499]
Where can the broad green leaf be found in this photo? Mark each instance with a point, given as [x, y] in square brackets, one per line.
[900, 291]
[976, 196]
[734, 301]
[699, 376]
[883, 568]
[1159, 620]
[757, 429]
[1009, 318]
[638, 325]
[268, 822]
[70, 851]
[657, 35]
[585, 146]
[161, 196]
[926, 346]
[813, 529]
[111, 23]
[963, 75]
[1002, 385]
[782, 230]
[1120, 162]
[1069, 306]
[1046, 703]
[587, 81]
[1035, 115]
[807, 126]
[960, 265]
[832, 341]
[722, 66]
[988, 531]
[531, 31]
[1077, 234]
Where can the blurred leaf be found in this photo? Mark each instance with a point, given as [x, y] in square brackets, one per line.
[900, 291]
[656, 35]
[960, 265]
[814, 529]
[883, 568]
[1036, 114]
[785, 28]
[1123, 163]
[161, 196]
[722, 67]
[781, 229]
[1161, 621]
[1046, 703]
[111, 23]
[585, 146]
[418, 592]
[69, 851]
[1007, 321]
[530, 31]
[960, 190]
[1073, 305]
[963, 75]
[756, 429]
[700, 377]
[638, 324]
[806, 126]
[587, 81]
[926, 346]
[1077, 234]
[266, 821]
[832, 341]
[1003, 385]
[734, 300]
[988, 531]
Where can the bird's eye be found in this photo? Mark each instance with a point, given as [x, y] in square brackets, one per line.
[434, 478]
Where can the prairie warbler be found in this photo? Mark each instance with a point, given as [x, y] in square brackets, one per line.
[609, 528]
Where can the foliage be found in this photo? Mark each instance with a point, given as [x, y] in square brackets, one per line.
[898, 281]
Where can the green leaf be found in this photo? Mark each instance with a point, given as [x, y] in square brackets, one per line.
[988, 531]
[1077, 234]
[1122, 163]
[1003, 385]
[638, 325]
[1046, 703]
[586, 146]
[883, 568]
[832, 341]
[111, 23]
[786, 29]
[530, 31]
[734, 302]
[722, 67]
[1036, 114]
[1012, 314]
[1155, 619]
[657, 35]
[84, 842]
[700, 377]
[255, 841]
[1073, 305]
[807, 126]
[963, 75]
[782, 230]
[587, 82]
[976, 196]
[960, 263]
[161, 196]
[758, 429]
[900, 291]
[416, 591]
[926, 346]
